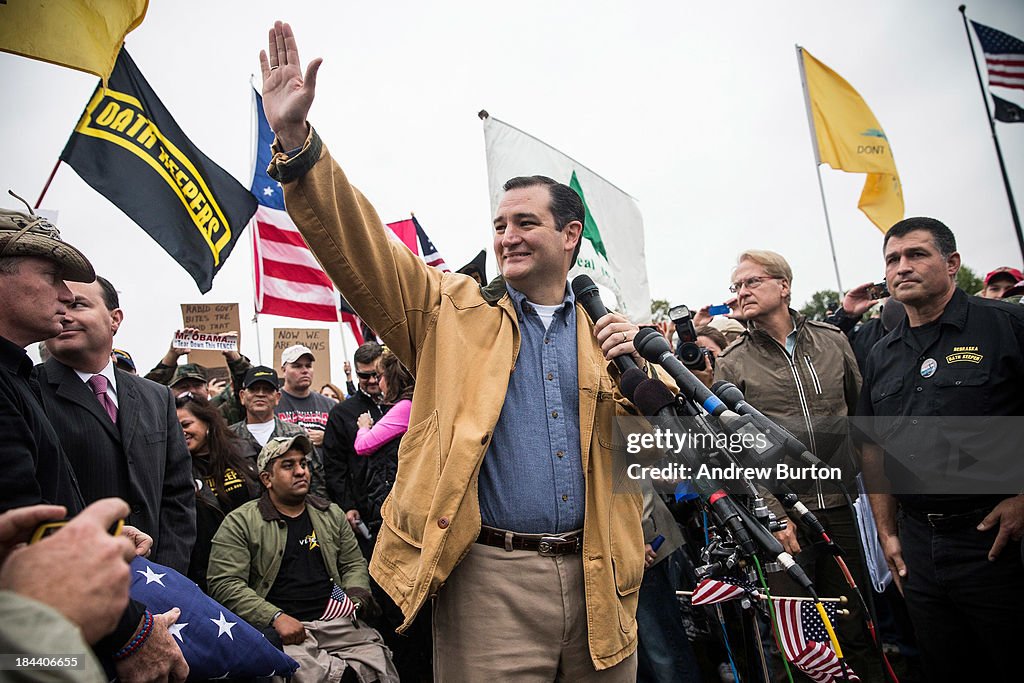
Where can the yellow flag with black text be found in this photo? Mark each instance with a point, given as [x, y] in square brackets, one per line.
[79, 34]
[849, 138]
[130, 150]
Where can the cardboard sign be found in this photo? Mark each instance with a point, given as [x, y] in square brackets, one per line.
[201, 341]
[318, 341]
[211, 319]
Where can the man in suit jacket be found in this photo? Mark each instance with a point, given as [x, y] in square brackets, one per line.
[120, 431]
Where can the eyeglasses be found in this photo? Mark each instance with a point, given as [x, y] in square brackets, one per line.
[367, 375]
[751, 283]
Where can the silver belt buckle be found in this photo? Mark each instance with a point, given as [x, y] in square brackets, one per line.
[933, 518]
[547, 545]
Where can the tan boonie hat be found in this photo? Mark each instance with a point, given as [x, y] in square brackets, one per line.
[24, 234]
[280, 445]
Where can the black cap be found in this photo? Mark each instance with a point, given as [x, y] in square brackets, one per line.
[260, 373]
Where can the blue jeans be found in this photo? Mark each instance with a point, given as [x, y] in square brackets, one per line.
[968, 612]
[664, 653]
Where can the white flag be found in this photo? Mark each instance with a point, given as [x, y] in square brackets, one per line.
[613, 236]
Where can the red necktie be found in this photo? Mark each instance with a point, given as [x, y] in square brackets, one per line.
[99, 385]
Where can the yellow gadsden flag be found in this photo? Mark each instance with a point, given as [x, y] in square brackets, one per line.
[848, 137]
[80, 34]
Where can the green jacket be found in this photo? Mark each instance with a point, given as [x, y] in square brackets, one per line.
[248, 547]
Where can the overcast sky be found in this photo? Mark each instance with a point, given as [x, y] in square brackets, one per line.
[694, 109]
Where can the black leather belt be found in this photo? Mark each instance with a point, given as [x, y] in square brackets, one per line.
[948, 522]
[543, 544]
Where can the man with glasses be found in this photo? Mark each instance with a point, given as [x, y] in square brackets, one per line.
[260, 396]
[300, 405]
[345, 470]
[803, 373]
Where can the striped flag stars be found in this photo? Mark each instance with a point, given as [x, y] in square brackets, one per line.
[1004, 56]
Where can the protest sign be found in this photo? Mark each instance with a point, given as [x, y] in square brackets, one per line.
[213, 319]
[318, 341]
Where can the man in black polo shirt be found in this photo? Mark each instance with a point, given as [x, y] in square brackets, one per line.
[954, 552]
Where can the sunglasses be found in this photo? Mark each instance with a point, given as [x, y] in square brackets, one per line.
[368, 375]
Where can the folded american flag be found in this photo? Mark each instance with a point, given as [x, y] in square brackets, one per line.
[710, 591]
[805, 641]
[338, 605]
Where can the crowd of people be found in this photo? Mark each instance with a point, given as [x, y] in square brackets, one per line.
[462, 498]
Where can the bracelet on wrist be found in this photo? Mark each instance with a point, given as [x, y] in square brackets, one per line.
[139, 640]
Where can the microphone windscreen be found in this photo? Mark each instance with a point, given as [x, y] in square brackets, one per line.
[629, 381]
[647, 345]
[651, 396]
[582, 284]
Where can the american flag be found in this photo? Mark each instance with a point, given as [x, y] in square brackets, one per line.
[1004, 56]
[427, 249]
[338, 605]
[289, 280]
[805, 641]
[710, 591]
[214, 641]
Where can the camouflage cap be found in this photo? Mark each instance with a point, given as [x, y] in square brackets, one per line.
[280, 445]
[189, 371]
[26, 234]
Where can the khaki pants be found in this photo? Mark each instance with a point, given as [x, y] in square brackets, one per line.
[516, 616]
[333, 646]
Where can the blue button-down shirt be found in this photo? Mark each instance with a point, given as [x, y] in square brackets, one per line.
[531, 479]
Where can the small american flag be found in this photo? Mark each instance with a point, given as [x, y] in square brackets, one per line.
[1004, 56]
[710, 591]
[427, 249]
[805, 641]
[338, 605]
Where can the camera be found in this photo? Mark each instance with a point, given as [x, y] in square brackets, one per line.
[692, 356]
[878, 290]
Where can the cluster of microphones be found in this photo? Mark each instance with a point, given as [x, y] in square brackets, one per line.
[721, 409]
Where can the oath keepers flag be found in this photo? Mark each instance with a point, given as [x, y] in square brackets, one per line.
[848, 137]
[612, 253]
[130, 150]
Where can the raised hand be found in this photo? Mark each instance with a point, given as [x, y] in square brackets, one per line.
[287, 96]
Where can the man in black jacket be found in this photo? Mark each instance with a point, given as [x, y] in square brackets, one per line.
[136, 449]
[346, 471]
[34, 265]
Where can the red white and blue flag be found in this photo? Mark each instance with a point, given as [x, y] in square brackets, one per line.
[711, 591]
[338, 605]
[289, 280]
[805, 641]
[1004, 56]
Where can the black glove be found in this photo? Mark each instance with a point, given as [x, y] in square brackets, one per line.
[368, 607]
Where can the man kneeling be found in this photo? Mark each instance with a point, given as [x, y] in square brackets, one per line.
[290, 560]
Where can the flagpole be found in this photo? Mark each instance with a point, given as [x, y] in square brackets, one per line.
[254, 137]
[995, 139]
[341, 329]
[47, 185]
[817, 164]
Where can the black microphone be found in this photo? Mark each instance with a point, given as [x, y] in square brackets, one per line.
[629, 382]
[734, 399]
[589, 297]
[654, 347]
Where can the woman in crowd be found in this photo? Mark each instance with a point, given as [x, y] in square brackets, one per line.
[380, 441]
[224, 479]
[332, 392]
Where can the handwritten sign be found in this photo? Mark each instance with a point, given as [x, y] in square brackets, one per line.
[214, 319]
[318, 341]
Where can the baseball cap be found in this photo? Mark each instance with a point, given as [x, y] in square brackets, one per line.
[293, 353]
[1011, 273]
[280, 445]
[123, 359]
[189, 371]
[26, 234]
[260, 373]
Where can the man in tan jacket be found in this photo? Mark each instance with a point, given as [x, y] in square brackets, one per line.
[507, 507]
[803, 373]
